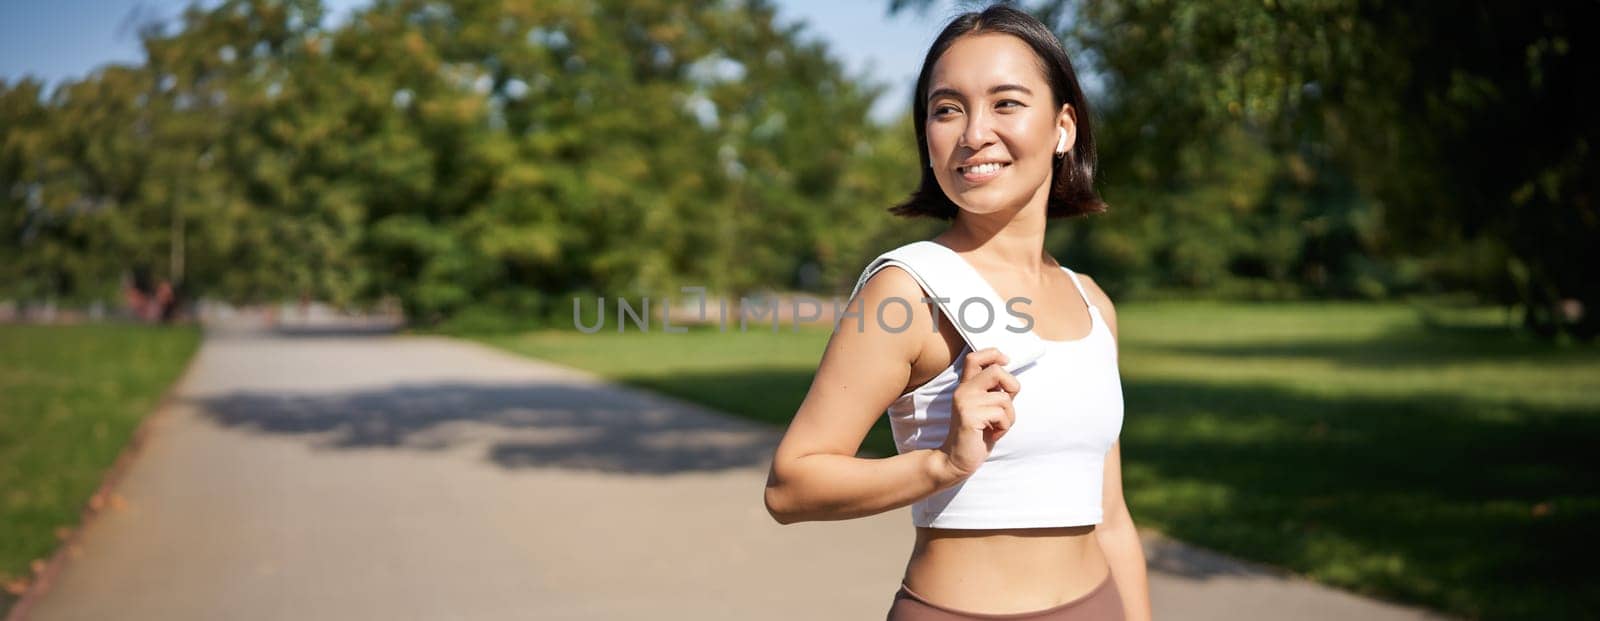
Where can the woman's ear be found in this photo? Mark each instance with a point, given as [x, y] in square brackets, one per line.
[1067, 121]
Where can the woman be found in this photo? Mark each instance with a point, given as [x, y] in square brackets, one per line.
[1014, 471]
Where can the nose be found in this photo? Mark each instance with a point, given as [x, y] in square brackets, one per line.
[978, 133]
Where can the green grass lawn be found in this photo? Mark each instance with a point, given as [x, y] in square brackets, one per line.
[1432, 458]
[70, 397]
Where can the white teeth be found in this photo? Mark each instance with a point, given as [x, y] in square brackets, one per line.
[983, 169]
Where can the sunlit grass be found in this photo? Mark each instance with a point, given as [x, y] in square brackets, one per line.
[1435, 458]
[70, 397]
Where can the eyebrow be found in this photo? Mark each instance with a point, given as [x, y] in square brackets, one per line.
[945, 90]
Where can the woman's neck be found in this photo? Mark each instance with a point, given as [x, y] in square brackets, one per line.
[1014, 239]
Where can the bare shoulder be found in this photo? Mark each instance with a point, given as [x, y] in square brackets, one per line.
[881, 307]
[864, 368]
[1100, 299]
[891, 281]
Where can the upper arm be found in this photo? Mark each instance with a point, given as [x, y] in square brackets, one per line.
[864, 368]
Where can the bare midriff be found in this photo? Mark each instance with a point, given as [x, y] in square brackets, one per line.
[1007, 570]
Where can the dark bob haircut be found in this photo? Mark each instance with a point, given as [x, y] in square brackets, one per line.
[1072, 185]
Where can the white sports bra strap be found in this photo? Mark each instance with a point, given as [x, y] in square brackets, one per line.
[944, 274]
[1079, 284]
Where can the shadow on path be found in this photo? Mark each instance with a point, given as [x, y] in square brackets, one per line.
[524, 425]
[346, 330]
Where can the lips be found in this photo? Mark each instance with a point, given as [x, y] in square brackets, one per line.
[979, 173]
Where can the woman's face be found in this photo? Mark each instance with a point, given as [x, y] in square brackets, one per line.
[992, 124]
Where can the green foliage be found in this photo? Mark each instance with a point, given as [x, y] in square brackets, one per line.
[473, 153]
[452, 154]
[1346, 147]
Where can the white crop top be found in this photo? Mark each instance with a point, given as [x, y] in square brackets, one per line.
[1048, 469]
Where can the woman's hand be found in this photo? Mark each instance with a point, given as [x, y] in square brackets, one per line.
[981, 410]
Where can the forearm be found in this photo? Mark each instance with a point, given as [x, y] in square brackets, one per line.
[1119, 541]
[841, 487]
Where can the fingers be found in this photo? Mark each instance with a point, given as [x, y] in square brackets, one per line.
[1006, 413]
[1002, 419]
[992, 411]
[1004, 380]
[984, 370]
[978, 360]
[984, 399]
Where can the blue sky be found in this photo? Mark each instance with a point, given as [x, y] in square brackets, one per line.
[60, 39]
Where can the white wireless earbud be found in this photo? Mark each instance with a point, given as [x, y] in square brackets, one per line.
[1061, 145]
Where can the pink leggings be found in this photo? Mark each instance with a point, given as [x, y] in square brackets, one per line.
[1101, 604]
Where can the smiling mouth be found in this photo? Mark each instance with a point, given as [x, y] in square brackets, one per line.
[981, 169]
[982, 172]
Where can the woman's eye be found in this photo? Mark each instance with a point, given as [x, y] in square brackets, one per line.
[943, 110]
[1014, 103]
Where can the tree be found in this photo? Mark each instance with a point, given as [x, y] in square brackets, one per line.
[464, 157]
[1464, 124]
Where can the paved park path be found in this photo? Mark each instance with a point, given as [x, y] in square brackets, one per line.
[328, 474]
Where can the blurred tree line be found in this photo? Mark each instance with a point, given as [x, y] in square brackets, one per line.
[478, 160]
[1345, 147]
[483, 162]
